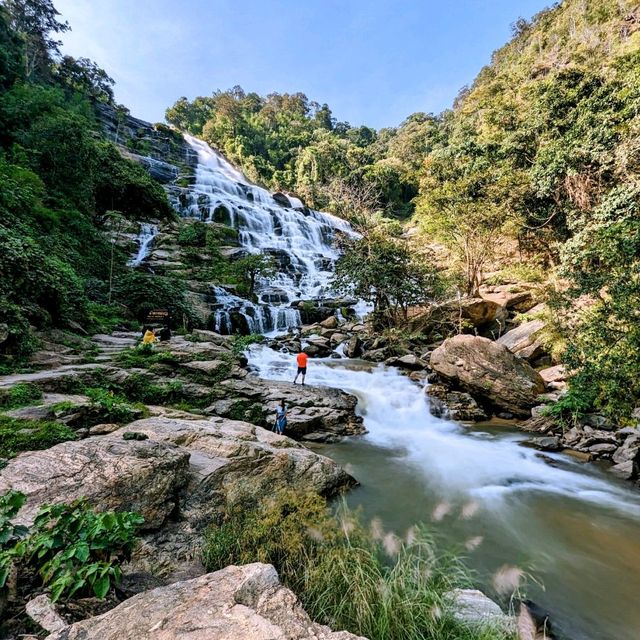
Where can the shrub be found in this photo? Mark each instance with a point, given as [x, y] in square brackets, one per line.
[377, 586]
[241, 343]
[20, 395]
[73, 549]
[111, 407]
[18, 435]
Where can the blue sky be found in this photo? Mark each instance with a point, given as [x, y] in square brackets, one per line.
[373, 61]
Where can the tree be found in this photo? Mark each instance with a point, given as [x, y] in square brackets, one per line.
[36, 21]
[252, 268]
[85, 77]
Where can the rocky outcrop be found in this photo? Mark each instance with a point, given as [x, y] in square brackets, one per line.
[524, 340]
[236, 603]
[112, 473]
[311, 409]
[454, 405]
[480, 312]
[489, 371]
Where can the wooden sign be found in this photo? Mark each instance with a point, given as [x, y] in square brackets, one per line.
[158, 315]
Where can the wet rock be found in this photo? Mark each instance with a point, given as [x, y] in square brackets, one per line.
[548, 443]
[580, 456]
[338, 338]
[410, 362]
[488, 370]
[112, 473]
[353, 348]
[282, 200]
[597, 422]
[602, 448]
[626, 470]
[236, 603]
[453, 404]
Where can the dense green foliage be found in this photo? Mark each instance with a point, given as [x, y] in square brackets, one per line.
[58, 181]
[17, 435]
[287, 142]
[544, 148]
[72, 548]
[366, 582]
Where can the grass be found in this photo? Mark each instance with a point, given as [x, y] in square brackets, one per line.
[367, 582]
[30, 435]
[21, 395]
[144, 356]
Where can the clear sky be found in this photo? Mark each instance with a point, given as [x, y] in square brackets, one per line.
[373, 61]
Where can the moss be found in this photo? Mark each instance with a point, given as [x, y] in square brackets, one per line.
[21, 395]
[30, 435]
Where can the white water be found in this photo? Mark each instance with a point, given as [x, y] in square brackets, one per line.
[458, 464]
[299, 239]
[145, 239]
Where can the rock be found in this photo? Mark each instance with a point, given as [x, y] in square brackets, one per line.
[411, 362]
[597, 422]
[202, 335]
[539, 410]
[481, 312]
[473, 607]
[338, 338]
[453, 405]
[4, 332]
[103, 429]
[112, 473]
[330, 323]
[523, 340]
[547, 443]
[626, 470]
[580, 456]
[489, 370]
[282, 200]
[602, 448]
[311, 409]
[206, 368]
[628, 451]
[236, 603]
[553, 374]
[508, 296]
[43, 612]
[353, 348]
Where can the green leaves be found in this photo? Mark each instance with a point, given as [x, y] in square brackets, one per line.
[72, 548]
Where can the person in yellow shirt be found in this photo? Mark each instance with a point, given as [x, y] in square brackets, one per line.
[149, 337]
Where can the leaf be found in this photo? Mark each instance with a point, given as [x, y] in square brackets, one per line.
[82, 552]
[101, 586]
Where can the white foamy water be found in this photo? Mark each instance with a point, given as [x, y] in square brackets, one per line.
[460, 464]
[299, 239]
[145, 239]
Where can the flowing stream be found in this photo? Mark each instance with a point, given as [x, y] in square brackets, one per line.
[147, 235]
[572, 527]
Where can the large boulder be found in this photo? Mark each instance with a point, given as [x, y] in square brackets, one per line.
[524, 340]
[481, 312]
[488, 370]
[311, 409]
[236, 603]
[143, 476]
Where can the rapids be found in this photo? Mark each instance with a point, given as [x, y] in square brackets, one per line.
[571, 526]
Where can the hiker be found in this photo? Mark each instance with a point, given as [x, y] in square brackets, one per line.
[165, 334]
[281, 417]
[149, 337]
[302, 366]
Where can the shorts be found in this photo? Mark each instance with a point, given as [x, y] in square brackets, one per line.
[302, 370]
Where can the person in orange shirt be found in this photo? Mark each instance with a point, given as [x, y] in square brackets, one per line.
[302, 366]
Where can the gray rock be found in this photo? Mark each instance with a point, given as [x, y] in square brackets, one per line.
[481, 312]
[489, 370]
[330, 323]
[112, 473]
[236, 603]
[602, 448]
[4, 332]
[474, 608]
[597, 422]
[546, 443]
[626, 470]
[522, 340]
[411, 362]
[353, 348]
[43, 612]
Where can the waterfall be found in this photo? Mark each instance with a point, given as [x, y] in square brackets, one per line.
[299, 240]
[145, 239]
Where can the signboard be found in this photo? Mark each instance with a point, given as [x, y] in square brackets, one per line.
[160, 316]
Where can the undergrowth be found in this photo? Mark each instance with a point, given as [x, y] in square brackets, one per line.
[17, 435]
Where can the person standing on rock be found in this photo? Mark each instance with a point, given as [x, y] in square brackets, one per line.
[281, 417]
[302, 366]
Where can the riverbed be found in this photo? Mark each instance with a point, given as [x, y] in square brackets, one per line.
[571, 528]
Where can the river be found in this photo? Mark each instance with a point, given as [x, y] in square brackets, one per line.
[570, 527]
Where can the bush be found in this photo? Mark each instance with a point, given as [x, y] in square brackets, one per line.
[112, 407]
[73, 549]
[18, 435]
[370, 584]
[241, 343]
[21, 395]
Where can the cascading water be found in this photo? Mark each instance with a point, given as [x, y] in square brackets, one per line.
[299, 240]
[571, 525]
[145, 239]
